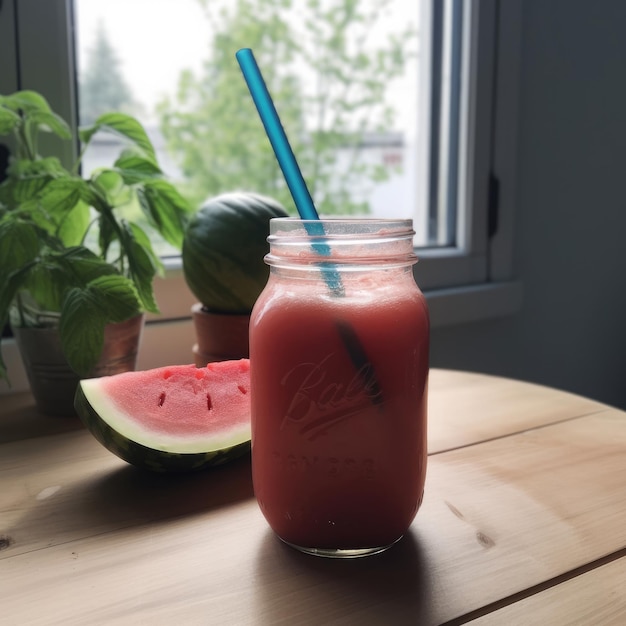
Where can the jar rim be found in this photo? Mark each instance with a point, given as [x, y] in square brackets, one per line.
[393, 220]
[340, 228]
[405, 222]
[355, 243]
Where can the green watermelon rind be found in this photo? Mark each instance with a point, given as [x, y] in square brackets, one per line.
[148, 458]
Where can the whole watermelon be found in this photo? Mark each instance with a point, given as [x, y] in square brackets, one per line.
[223, 250]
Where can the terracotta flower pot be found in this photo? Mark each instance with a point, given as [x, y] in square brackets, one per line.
[52, 381]
[220, 336]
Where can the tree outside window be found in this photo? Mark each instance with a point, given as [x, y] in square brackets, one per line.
[103, 87]
[328, 70]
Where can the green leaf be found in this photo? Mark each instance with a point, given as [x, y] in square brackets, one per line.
[109, 181]
[8, 121]
[82, 330]
[143, 240]
[51, 122]
[75, 224]
[142, 272]
[20, 244]
[56, 273]
[25, 100]
[25, 179]
[48, 282]
[61, 198]
[61, 194]
[9, 288]
[107, 233]
[85, 313]
[106, 189]
[24, 189]
[91, 194]
[134, 167]
[117, 297]
[21, 168]
[166, 208]
[83, 264]
[120, 124]
[112, 188]
[140, 269]
[55, 207]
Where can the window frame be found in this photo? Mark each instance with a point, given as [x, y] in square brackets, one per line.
[473, 279]
[463, 263]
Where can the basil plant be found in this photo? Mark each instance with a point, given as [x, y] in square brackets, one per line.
[67, 255]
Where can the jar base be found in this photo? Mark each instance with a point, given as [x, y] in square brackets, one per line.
[341, 553]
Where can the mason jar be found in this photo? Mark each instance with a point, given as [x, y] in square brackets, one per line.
[339, 342]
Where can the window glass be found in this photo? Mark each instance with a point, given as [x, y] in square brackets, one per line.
[345, 76]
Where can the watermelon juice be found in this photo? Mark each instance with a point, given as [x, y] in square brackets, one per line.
[339, 370]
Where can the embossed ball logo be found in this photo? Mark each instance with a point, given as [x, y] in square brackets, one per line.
[319, 402]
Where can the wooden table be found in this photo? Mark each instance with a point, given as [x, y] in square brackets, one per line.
[524, 522]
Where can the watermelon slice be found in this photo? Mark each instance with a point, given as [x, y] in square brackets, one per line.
[177, 418]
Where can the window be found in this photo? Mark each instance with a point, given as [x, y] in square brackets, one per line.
[349, 94]
[441, 161]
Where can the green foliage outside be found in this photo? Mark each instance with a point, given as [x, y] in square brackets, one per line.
[328, 80]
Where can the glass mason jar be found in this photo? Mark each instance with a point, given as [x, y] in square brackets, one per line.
[339, 342]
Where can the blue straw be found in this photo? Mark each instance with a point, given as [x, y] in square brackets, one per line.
[286, 159]
[276, 134]
[306, 209]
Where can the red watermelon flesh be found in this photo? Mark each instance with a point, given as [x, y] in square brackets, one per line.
[168, 418]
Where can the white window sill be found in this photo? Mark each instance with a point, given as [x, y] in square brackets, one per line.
[170, 342]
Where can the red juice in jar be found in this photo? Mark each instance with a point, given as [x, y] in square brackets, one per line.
[339, 344]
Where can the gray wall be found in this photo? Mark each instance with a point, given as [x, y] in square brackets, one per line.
[570, 210]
